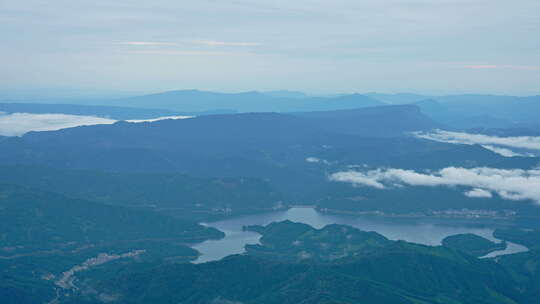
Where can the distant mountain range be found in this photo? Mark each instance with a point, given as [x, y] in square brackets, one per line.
[286, 94]
[194, 100]
[486, 110]
[457, 111]
[398, 98]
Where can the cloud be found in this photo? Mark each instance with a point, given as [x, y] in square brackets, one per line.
[512, 184]
[317, 160]
[506, 152]
[17, 124]
[146, 43]
[368, 179]
[496, 144]
[477, 192]
[225, 43]
[177, 52]
[503, 66]
[481, 66]
[158, 118]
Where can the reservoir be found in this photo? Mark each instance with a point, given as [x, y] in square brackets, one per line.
[423, 231]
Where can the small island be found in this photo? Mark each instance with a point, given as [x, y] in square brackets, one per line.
[472, 244]
[290, 241]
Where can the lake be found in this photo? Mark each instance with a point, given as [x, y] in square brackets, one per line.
[423, 231]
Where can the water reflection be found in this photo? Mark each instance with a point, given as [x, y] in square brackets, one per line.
[428, 232]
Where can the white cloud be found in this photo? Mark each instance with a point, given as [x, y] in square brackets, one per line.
[496, 144]
[177, 52]
[356, 178]
[146, 43]
[477, 192]
[225, 43]
[317, 160]
[506, 152]
[502, 66]
[20, 123]
[17, 124]
[158, 118]
[513, 184]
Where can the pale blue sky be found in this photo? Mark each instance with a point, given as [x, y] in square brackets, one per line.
[426, 46]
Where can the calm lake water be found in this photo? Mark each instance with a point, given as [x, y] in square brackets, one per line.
[428, 231]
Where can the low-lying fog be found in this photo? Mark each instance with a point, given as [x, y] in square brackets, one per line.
[16, 124]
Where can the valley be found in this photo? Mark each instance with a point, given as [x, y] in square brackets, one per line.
[125, 212]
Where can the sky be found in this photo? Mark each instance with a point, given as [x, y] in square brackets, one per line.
[316, 46]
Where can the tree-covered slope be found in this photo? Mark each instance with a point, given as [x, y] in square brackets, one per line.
[472, 244]
[173, 193]
[289, 241]
[38, 220]
[43, 235]
[373, 121]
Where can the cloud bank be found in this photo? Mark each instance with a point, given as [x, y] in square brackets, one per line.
[317, 160]
[502, 66]
[511, 184]
[500, 145]
[17, 124]
[146, 43]
[477, 192]
[226, 43]
[159, 118]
